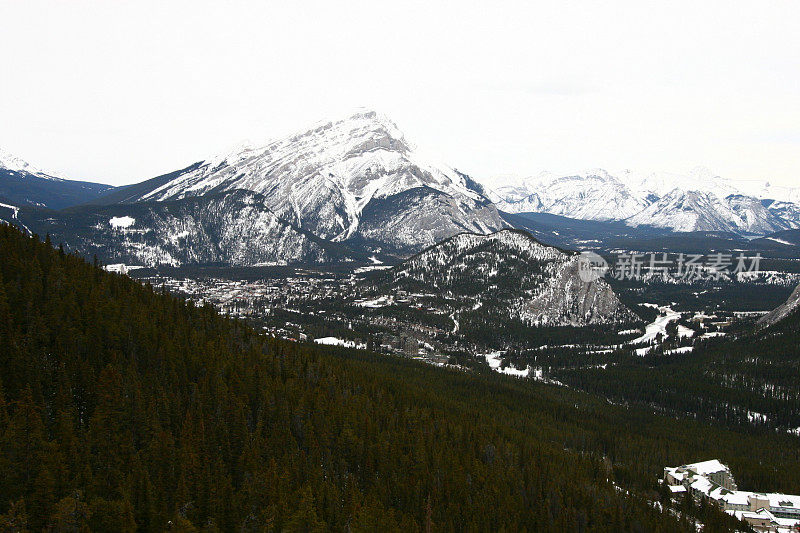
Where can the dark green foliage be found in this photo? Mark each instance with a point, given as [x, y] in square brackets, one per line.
[125, 409]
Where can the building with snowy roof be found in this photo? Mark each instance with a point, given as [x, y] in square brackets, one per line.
[713, 481]
[713, 470]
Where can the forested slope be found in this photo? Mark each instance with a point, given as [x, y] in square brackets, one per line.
[124, 409]
[751, 380]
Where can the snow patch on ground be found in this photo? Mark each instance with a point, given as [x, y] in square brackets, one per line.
[659, 325]
[121, 268]
[361, 270]
[14, 208]
[335, 341]
[122, 222]
[494, 359]
[383, 301]
[780, 241]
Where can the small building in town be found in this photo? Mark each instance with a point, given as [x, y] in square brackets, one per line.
[712, 470]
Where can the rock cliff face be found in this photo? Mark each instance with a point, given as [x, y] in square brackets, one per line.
[782, 311]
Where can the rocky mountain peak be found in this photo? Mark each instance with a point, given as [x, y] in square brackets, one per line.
[355, 178]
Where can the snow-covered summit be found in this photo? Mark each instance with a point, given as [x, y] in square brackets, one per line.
[9, 161]
[592, 195]
[365, 154]
[322, 178]
[355, 179]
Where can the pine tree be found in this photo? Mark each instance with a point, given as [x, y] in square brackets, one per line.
[71, 514]
[16, 519]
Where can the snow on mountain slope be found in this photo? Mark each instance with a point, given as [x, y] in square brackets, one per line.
[234, 229]
[761, 217]
[511, 274]
[660, 184]
[340, 191]
[703, 211]
[595, 195]
[323, 179]
[11, 162]
[686, 211]
[697, 201]
[421, 217]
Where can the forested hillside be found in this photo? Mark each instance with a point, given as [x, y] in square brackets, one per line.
[125, 409]
[752, 380]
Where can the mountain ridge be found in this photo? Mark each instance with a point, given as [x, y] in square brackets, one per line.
[22, 184]
[700, 201]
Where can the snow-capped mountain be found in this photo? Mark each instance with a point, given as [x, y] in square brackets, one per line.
[704, 211]
[352, 179]
[340, 191]
[22, 184]
[595, 195]
[698, 201]
[9, 161]
[508, 273]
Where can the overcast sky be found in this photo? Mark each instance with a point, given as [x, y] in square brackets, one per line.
[122, 91]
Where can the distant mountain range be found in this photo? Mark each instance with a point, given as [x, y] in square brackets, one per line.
[699, 201]
[355, 190]
[22, 184]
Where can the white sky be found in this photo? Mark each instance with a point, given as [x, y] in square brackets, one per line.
[122, 91]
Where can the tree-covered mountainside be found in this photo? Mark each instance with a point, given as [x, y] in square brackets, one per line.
[125, 409]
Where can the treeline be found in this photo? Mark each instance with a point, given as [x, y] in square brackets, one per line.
[490, 325]
[125, 409]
